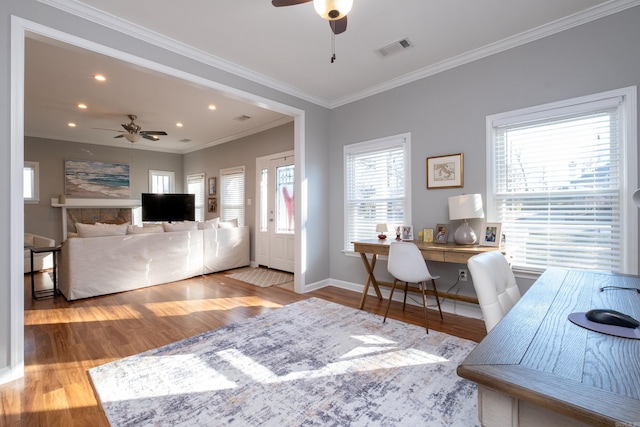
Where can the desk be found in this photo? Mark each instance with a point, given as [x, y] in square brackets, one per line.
[45, 292]
[537, 368]
[449, 252]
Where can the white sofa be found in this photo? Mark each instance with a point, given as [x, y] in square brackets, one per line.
[41, 261]
[92, 266]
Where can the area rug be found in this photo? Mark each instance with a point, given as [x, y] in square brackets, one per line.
[311, 363]
[262, 277]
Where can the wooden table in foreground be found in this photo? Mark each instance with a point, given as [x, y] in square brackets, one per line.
[538, 368]
[449, 252]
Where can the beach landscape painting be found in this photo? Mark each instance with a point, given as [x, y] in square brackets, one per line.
[88, 178]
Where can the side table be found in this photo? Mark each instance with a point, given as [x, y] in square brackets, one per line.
[45, 293]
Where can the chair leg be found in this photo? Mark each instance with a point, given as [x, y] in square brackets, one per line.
[406, 288]
[424, 304]
[435, 291]
[390, 298]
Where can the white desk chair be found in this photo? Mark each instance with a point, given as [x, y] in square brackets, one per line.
[495, 286]
[405, 264]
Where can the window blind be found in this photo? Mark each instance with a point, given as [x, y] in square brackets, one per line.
[232, 194]
[376, 188]
[558, 187]
[195, 185]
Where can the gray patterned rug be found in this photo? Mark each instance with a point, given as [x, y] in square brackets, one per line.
[311, 363]
[262, 277]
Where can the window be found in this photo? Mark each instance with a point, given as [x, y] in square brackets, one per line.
[195, 185]
[161, 182]
[560, 179]
[377, 187]
[31, 182]
[232, 194]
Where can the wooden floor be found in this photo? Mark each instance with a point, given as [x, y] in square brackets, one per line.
[64, 339]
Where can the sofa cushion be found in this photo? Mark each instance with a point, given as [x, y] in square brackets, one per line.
[151, 228]
[180, 226]
[210, 223]
[228, 224]
[99, 229]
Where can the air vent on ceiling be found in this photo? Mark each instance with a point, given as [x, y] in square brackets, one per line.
[242, 118]
[395, 47]
[185, 140]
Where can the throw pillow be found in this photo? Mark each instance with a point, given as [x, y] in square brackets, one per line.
[180, 226]
[99, 229]
[228, 224]
[211, 223]
[156, 228]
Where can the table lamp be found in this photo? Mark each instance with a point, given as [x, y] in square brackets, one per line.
[382, 228]
[465, 207]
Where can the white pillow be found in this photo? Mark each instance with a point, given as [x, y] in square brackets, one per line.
[180, 226]
[228, 224]
[156, 228]
[98, 229]
[211, 223]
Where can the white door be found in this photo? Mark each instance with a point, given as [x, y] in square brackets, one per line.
[275, 235]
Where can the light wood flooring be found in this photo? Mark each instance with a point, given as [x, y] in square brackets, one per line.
[64, 339]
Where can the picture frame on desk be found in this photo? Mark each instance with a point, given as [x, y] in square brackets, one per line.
[427, 235]
[407, 232]
[491, 234]
[442, 234]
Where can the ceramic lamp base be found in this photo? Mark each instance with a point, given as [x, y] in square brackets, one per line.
[465, 235]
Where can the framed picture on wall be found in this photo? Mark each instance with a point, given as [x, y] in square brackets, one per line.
[212, 186]
[491, 234]
[212, 205]
[445, 171]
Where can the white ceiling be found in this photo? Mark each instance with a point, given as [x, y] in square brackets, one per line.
[287, 48]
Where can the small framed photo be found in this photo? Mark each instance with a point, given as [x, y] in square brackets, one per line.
[427, 235]
[491, 234]
[407, 232]
[212, 206]
[442, 234]
[445, 171]
[212, 186]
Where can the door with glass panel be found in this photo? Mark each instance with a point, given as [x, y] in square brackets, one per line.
[275, 236]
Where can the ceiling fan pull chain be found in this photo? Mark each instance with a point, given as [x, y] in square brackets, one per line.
[333, 47]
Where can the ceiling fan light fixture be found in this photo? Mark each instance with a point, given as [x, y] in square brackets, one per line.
[332, 9]
[132, 137]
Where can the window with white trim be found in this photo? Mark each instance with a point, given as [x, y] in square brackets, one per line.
[560, 178]
[31, 182]
[232, 194]
[161, 182]
[195, 185]
[377, 187]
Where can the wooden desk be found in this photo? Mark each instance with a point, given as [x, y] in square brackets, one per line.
[449, 252]
[537, 368]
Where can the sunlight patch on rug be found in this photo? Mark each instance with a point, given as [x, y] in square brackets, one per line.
[309, 363]
[262, 277]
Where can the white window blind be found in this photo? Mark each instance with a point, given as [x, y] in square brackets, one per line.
[377, 187]
[195, 185]
[557, 184]
[161, 182]
[232, 194]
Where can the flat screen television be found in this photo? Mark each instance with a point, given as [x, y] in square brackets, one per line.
[168, 207]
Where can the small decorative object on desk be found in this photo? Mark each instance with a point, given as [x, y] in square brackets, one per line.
[381, 229]
[491, 234]
[407, 232]
[442, 233]
[427, 235]
[398, 232]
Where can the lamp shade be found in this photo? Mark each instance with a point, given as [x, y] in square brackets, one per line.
[131, 137]
[333, 9]
[465, 207]
[382, 228]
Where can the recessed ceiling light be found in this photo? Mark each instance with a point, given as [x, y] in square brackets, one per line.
[212, 107]
[179, 124]
[82, 106]
[100, 77]
[71, 124]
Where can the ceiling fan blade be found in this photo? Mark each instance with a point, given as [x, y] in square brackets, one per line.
[151, 137]
[279, 3]
[119, 136]
[339, 26]
[152, 132]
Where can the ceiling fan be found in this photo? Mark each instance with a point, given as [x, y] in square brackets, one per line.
[335, 11]
[134, 131]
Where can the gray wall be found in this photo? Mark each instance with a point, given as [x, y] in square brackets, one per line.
[41, 218]
[446, 114]
[241, 152]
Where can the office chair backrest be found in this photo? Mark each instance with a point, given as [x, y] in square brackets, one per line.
[406, 263]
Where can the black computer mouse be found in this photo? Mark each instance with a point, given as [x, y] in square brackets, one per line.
[612, 317]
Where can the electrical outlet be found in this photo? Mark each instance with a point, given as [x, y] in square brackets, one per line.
[462, 275]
